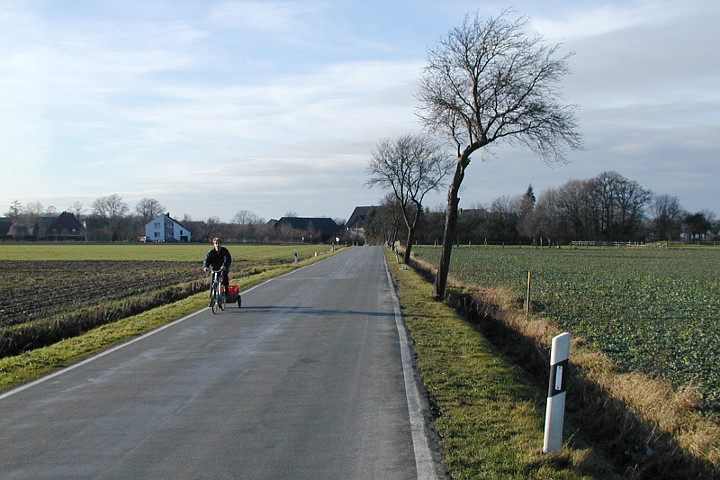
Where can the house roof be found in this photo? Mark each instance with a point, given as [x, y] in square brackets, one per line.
[322, 225]
[357, 219]
[5, 224]
[66, 221]
[170, 218]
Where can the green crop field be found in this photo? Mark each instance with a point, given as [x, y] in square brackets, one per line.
[653, 310]
[151, 252]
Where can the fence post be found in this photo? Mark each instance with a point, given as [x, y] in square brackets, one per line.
[555, 410]
[528, 304]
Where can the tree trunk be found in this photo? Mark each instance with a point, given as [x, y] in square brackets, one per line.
[408, 245]
[411, 230]
[451, 215]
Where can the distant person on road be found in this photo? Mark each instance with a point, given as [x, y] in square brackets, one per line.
[218, 258]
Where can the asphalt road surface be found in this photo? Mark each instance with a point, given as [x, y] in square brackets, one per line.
[311, 379]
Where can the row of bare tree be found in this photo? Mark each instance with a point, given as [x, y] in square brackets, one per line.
[606, 208]
[613, 208]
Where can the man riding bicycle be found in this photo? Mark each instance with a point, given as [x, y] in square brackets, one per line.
[218, 258]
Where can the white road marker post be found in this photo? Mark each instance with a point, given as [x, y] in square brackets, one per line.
[555, 410]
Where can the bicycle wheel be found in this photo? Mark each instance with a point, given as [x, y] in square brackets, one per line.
[214, 298]
[221, 298]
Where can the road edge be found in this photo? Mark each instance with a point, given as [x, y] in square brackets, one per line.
[425, 462]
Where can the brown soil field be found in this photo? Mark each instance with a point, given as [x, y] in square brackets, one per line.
[32, 290]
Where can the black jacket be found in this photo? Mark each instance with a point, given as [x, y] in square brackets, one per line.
[218, 258]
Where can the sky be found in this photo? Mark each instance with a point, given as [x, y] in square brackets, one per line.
[216, 107]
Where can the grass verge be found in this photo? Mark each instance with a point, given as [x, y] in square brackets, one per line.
[30, 365]
[488, 413]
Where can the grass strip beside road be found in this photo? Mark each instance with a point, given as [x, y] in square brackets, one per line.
[23, 368]
[489, 415]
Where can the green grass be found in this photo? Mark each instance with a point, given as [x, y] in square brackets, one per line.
[151, 252]
[490, 416]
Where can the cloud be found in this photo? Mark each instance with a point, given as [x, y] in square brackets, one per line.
[578, 23]
[271, 101]
[260, 23]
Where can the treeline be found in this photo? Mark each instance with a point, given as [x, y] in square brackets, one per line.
[111, 219]
[606, 208]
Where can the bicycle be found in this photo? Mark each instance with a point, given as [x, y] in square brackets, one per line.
[217, 291]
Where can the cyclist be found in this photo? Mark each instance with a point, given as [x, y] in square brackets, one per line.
[219, 259]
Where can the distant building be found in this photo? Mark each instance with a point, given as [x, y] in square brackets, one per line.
[61, 227]
[166, 229]
[5, 226]
[65, 225]
[355, 226]
[309, 230]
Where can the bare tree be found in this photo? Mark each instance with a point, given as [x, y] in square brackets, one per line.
[30, 215]
[632, 200]
[77, 209]
[210, 228]
[576, 210]
[34, 209]
[110, 207]
[111, 211]
[384, 222]
[246, 224]
[246, 217]
[148, 209]
[544, 217]
[410, 166]
[15, 210]
[490, 81]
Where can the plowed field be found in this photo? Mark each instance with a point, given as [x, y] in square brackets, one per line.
[40, 289]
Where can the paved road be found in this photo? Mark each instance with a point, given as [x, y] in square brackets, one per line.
[304, 382]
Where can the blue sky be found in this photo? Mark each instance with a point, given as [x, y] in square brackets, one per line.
[212, 107]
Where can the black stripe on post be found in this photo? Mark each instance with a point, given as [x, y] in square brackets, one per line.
[558, 376]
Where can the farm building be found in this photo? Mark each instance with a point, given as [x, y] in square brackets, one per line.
[310, 230]
[355, 226]
[61, 227]
[166, 229]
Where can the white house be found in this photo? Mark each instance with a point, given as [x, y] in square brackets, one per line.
[166, 229]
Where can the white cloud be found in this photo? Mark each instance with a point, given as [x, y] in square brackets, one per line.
[610, 18]
[286, 22]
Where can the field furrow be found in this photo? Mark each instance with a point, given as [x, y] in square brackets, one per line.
[41, 289]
